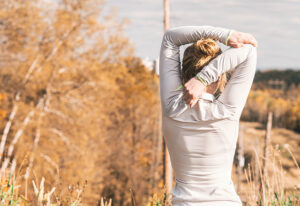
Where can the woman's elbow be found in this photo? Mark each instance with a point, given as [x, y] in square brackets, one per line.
[168, 34]
[167, 39]
[252, 50]
[252, 57]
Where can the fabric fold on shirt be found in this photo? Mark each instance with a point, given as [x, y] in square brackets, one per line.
[207, 108]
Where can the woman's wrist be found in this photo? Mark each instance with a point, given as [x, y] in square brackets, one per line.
[228, 36]
[201, 80]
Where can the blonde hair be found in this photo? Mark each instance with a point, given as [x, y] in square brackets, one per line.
[198, 55]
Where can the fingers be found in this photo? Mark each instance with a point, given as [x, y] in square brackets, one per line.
[239, 45]
[192, 91]
[238, 39]
[193, 102]
[254, 42]
[249, 39]
[187, 97]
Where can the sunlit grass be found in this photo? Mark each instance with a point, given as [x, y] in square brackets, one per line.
[271, 188]
[9, 195]
[160, 199]
[9, 192]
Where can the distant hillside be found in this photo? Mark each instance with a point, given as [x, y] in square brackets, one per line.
[278, 79]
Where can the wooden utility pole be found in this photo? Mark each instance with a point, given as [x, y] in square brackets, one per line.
[166, 15]
[241, 159]
[266, 156]
[167, 167]
[257, 180]
[267, 145]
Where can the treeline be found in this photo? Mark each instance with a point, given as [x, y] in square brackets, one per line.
[277, 91]
[280, 79]
[76, 106]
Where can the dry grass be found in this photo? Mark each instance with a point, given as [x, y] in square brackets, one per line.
[160, 199]
[281, 183]
[270, 189]
[280, 186]
[9, 195]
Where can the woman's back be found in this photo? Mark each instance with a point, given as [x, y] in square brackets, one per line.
[202, 140]
[202, 154]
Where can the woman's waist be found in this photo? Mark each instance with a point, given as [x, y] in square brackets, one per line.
[200, 193]
[203, 178]
[200, 180]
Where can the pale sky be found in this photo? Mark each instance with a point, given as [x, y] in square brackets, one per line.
[274, 23]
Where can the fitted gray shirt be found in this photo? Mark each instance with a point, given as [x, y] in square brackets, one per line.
[202, 140]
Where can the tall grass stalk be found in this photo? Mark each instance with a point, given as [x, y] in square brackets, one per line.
[271, 190]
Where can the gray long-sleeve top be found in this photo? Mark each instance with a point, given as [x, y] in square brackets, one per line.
[202, 140]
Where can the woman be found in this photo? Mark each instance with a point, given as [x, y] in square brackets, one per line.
[202, 139]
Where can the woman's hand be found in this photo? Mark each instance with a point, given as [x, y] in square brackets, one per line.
[193, 90]
[238, 39]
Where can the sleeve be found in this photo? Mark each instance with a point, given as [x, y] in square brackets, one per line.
[169, 61]
[243, 62]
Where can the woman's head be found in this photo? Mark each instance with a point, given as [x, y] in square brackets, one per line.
[198, 55]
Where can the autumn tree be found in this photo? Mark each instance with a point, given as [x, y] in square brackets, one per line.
[81, 109]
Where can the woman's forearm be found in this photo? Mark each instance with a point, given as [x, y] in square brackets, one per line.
[228, 60]
[188, 34]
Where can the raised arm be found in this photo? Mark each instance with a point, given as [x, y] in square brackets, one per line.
[169, 64]
[243, 63]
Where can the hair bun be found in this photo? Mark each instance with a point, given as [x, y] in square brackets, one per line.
[207, 47]
[197, 55]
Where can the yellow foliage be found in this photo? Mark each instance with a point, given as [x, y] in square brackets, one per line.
[286, 111]
[94, 105]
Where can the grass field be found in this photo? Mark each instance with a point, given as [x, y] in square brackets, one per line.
[281, 186]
